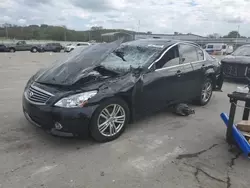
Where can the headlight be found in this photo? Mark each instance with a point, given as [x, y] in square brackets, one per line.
[75, 101]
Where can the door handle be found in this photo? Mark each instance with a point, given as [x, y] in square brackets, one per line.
[178, 73]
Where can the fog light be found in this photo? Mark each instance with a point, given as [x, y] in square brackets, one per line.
[58, 126]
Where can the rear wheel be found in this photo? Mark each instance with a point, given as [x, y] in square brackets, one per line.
[34, 50]
[206, 92]
[109, 120]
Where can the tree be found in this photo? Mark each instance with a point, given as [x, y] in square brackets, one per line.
[95, 28]
[233, 34]
[49, 32]
[214, 36]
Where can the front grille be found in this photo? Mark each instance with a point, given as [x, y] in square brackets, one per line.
[37, 95]
[235, 70]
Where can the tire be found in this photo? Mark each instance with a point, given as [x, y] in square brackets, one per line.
[12, 50]
[34, 50]
[105, 135]
[207, 90]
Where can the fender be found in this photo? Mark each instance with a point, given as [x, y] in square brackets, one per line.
[210, 71]
[211, 74]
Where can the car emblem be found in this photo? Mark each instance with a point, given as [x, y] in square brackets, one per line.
[31, 93]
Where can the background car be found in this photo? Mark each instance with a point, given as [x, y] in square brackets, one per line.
[98, 90]
[23, 46]
[3, 48]
[71, 47]
[237, 64]
[52, 47]
[218, 48]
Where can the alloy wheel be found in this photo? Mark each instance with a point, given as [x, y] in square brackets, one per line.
[206, 91]
[111, 120]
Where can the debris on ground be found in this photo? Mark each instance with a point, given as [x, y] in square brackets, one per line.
[183, 109]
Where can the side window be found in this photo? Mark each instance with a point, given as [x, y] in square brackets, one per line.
[210, 46]
[171, 58]
[188, 53]
[200, 54]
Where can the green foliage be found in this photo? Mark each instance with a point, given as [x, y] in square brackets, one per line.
[234, 34]
[48, 32]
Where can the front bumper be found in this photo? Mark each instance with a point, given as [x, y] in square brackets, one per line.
[235, 70]
[74, 121]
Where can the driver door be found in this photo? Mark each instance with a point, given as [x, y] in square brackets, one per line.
[160, 85]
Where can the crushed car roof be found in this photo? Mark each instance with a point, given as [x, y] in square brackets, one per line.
[161, 43]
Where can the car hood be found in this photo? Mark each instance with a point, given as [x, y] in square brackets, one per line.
[79, 64]
[236, 59]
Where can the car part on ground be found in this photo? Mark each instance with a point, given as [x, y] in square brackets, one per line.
[183, 109]
[97, 90]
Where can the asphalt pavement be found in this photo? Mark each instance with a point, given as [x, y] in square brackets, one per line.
[161, 150]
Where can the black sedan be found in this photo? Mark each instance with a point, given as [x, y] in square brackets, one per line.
[99, 89]
[237, 64]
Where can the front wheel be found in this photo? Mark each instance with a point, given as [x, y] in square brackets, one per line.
[206, 92]
[109, 120]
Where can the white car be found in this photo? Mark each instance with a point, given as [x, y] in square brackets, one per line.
[218, 48]
[71, 47]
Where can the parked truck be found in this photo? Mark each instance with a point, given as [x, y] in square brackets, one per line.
[23, 46]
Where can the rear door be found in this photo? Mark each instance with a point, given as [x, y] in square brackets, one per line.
[195, 66]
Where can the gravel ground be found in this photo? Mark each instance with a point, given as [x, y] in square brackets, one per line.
[162, 150]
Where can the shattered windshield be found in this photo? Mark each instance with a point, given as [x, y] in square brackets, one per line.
[127, 56]
[242, 51]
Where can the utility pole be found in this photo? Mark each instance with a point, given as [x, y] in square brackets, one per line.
[139, 22]
[6, 31]
[236, 41]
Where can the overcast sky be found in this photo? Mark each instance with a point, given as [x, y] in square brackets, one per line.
[159, 16]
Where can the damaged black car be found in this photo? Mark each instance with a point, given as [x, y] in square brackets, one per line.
[236, 65]
[98, 90]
